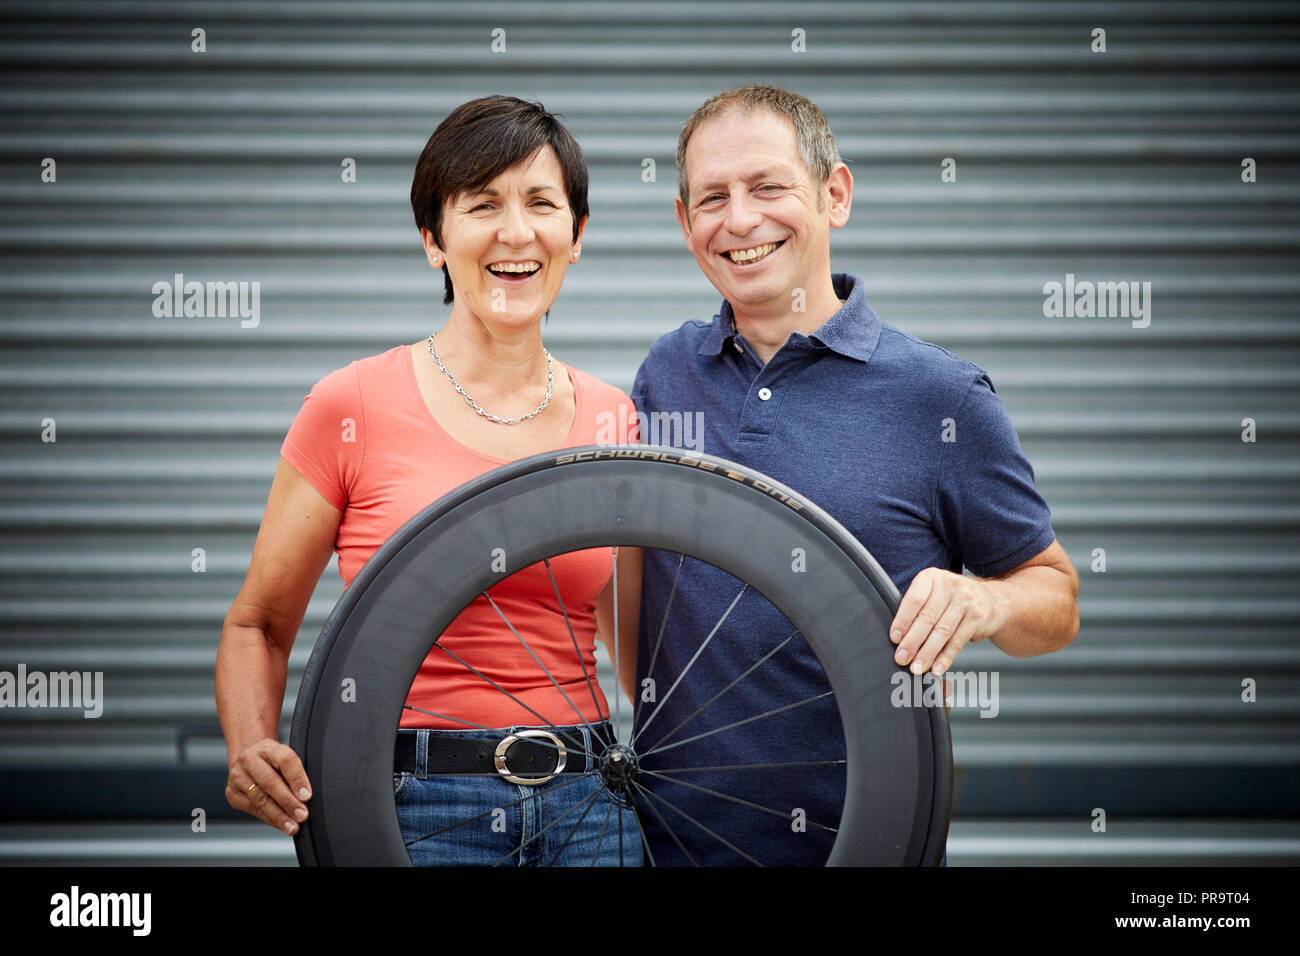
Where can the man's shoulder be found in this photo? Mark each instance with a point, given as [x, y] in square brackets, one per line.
[923, 365]
[686, 339]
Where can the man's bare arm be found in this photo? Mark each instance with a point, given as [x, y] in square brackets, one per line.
[1038, 605]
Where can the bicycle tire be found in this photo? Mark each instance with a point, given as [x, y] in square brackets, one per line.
[897, 795]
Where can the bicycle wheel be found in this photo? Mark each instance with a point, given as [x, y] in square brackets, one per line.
[897, 764]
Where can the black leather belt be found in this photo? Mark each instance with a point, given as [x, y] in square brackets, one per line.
[525, 756]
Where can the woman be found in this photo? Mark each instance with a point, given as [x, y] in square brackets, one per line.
[500, 198]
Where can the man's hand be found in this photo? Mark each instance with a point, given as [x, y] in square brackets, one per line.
[1032, 609]
[939, 615]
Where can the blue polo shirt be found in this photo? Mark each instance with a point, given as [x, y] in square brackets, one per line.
[907, 446]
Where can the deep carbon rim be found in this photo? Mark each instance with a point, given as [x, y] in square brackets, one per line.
[898, 772]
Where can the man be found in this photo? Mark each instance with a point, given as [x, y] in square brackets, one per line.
[904, 443]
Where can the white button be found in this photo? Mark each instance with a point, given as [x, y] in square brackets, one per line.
[764, 394]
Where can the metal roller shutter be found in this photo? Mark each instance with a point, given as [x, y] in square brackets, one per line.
[225, 166]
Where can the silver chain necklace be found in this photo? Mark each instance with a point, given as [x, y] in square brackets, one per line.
[550, 387]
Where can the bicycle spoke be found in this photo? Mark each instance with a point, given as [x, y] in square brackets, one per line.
[753, 766]
[672, 806]
[724, 690]
[618, 709]
[473, 669]
[581, 717]
[591, 802]
[540, 833]
[694, 657]
[654, 655]
[727, 796]
[664, 823]
[747, 720]
[645, 841]
[573, 637]
[600, 841]
[514, 803]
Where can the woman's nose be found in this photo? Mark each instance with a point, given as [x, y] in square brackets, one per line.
[515, 230]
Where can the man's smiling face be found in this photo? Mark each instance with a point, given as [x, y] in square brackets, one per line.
[755, 221]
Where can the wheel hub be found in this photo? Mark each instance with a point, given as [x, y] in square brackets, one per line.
[618, 768]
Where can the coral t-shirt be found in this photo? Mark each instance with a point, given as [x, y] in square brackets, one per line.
[366, 440]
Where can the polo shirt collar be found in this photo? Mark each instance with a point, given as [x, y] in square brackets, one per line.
[853, 331]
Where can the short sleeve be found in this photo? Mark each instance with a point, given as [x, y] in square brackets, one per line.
[989, 512]
[627, 408]
[325, 443]
[616, 420]
[639, 386]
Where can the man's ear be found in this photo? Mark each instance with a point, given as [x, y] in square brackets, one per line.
[839, 189]
[684, 221]
[437, 258]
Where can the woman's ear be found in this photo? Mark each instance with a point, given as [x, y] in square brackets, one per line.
[577, 243]
[437, 258]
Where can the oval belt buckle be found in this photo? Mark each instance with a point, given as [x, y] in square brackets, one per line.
[499, 757]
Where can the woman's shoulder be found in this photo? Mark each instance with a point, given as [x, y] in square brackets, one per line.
[368, 371]
[599, 394]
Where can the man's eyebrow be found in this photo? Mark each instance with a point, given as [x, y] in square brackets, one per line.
[779, 172]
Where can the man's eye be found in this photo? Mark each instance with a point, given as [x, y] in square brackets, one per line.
[482, 205]
[769, 186]
[710, 198]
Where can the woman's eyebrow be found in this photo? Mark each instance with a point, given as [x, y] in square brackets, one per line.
[535, 188]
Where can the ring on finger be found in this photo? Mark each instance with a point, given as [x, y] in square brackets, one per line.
[251, 788]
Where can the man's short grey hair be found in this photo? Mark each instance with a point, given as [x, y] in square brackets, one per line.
[813, 135]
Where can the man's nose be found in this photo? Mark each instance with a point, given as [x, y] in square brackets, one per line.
[742, 213]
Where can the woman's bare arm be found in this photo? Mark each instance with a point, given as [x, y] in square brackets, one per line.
[294, 544]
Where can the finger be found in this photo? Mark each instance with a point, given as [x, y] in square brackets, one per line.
[920, 630]
[289, 764]
[915, 598]
[966, 632]
[256, 780]
[939, 636]
[251, 799]
[278, 802]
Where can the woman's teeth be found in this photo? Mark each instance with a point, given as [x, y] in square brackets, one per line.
[746, 256]
[513, 267]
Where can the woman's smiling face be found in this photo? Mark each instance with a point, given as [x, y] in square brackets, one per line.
[507, 246]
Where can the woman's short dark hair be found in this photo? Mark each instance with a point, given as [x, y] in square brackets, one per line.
[476, 143]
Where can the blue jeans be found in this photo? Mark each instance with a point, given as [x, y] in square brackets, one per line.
[572, 820]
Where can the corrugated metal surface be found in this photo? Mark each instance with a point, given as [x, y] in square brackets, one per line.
[1192, 843]
[225, 166]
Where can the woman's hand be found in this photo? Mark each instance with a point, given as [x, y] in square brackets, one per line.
[268, 781]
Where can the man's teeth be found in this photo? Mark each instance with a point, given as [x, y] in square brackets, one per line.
[752, 255]
[513, 267]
